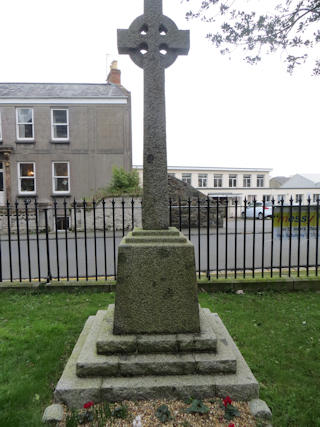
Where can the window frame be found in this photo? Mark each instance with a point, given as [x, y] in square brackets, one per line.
[298, 197]
[246, 181]
[232, 180]
[217, 179]
[203, 179]
[0, 127]
[62, 217]
[59, 124]
[260, 177]
[24, 123]
[54, 191]
[186, 177]
[27, 193]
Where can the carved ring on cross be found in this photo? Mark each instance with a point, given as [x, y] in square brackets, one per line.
[156, 38]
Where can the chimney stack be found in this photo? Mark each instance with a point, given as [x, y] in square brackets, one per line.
[114, 75]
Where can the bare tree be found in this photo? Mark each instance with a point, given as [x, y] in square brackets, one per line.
[292, 26]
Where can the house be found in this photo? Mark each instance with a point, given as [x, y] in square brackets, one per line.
[60, 140]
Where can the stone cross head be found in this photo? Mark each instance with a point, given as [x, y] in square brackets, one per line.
[154, 37]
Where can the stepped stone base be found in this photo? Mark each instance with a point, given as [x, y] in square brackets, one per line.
[208, 365]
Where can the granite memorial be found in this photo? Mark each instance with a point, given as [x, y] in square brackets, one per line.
[155, 341]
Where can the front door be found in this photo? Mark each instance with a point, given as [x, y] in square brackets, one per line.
[2, 189]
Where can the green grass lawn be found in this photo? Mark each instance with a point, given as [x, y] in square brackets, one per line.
[278, 334]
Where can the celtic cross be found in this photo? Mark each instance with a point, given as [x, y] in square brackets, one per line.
[153, 42]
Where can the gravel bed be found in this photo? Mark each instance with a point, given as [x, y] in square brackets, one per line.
[147, 409]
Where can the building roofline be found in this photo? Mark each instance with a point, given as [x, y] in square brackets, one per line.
[126, 93]
[213, 168]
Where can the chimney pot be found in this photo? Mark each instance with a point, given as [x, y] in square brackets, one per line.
[114, 75]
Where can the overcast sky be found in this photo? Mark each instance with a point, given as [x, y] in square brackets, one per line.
[219, 112]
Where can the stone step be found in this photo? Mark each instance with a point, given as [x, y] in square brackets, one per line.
[90, 363]
[75, 391]
[110, 344]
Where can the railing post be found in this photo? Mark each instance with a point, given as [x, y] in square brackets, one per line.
[18, 239]
[57, 240]
[95, 239]
[9, 239]
[66, 237]
[281, 238]
[208, 238]
[37, 238]
[49, 276]
[28, 238]
[308, 235]
[85, 237]
[104, 239]
[76, 238]
[290, 234]
[254, 236]
[272, 231]
[263, 234]
[235, 237]
[226, 241]
[317, 236]
[114, 239]
[244, 238]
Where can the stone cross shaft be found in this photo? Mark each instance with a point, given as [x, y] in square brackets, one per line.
[153, 42]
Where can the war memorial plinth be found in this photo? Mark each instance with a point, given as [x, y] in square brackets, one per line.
[155, 342]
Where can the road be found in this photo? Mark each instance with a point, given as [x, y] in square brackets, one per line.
[244, 249]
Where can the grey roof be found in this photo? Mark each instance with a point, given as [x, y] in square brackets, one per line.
[278, 181]
[61, 90]
[302, 181]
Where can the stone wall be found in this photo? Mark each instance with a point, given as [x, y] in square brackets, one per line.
[180, 193]
[118, 212]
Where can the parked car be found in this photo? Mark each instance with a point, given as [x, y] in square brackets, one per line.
[259, 210]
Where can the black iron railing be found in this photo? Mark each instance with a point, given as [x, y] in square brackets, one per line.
[79, 240]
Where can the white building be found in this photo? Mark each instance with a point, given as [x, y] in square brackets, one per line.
[301, 186]
[245, 183]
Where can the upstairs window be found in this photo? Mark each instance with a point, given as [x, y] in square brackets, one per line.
[61, 177]
[60, 124]
[217, 180]
[260, 180]
[247, 180]
[26, 178]
[186, 177]
[232, 180]
[24, 123]
[202, 180]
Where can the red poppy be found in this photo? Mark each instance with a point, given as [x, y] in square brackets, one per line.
[88, 405]
[231, 425]
[227, 401]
